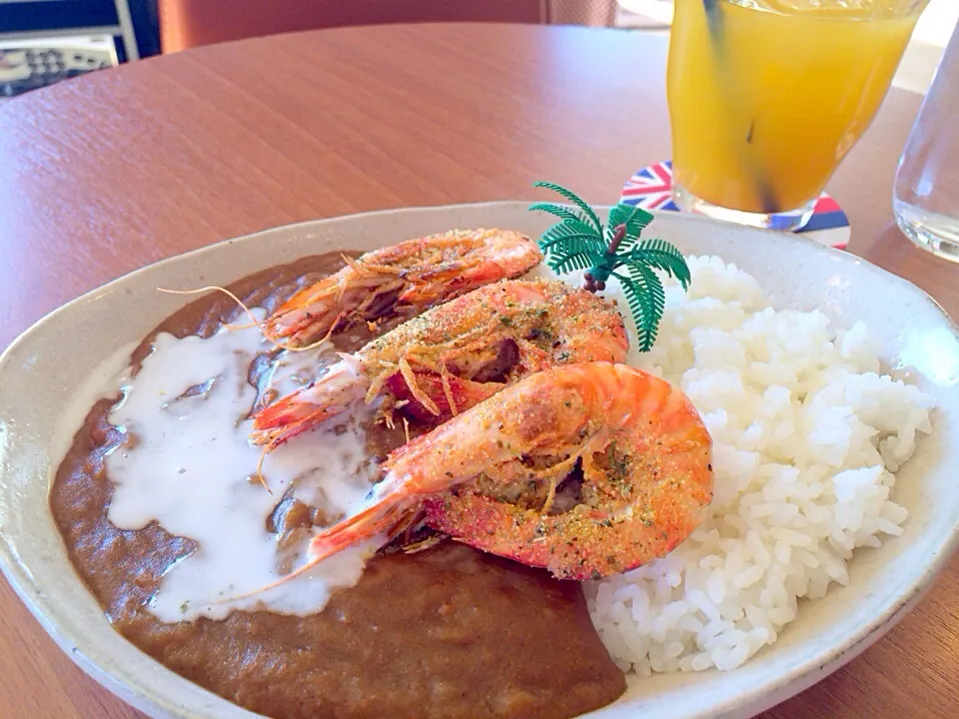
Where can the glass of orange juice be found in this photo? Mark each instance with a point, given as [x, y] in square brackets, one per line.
[766, 97]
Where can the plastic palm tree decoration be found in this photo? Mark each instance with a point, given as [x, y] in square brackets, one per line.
[581, 242]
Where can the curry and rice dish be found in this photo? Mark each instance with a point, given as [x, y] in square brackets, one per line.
[440, 480]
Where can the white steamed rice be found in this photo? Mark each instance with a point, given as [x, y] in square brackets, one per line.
[807, 433]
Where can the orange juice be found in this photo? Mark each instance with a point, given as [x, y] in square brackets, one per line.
[766, 98]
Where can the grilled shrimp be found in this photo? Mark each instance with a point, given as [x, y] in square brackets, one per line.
[457, 354]
[412, 274]
[641, 447]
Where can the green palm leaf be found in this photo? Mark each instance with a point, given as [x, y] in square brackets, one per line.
[647, 301]
[579, 242]
[663, 256]
[569, 261]
[566, 235]
[571, 219]
[576, 200]
[572, 244]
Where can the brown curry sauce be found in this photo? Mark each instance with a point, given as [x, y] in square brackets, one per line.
[445, 632]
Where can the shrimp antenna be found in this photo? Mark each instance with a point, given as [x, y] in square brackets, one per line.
[272, 585]
[259, 469]
[254, 322]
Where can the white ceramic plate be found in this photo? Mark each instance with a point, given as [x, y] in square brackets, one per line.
[49, 375]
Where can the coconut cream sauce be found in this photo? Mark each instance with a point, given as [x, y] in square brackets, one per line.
[187, 464]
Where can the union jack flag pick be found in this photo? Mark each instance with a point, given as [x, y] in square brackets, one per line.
[651, 189]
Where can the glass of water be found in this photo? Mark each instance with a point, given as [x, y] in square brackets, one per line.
[926, 192]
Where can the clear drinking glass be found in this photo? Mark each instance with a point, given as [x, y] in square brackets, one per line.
[925, 196]
[766, 97]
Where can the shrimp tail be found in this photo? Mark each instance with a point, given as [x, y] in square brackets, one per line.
[387, 513]
[322, 399]
[280, 422]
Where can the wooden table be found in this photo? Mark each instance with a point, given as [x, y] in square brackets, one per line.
[102, 175]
